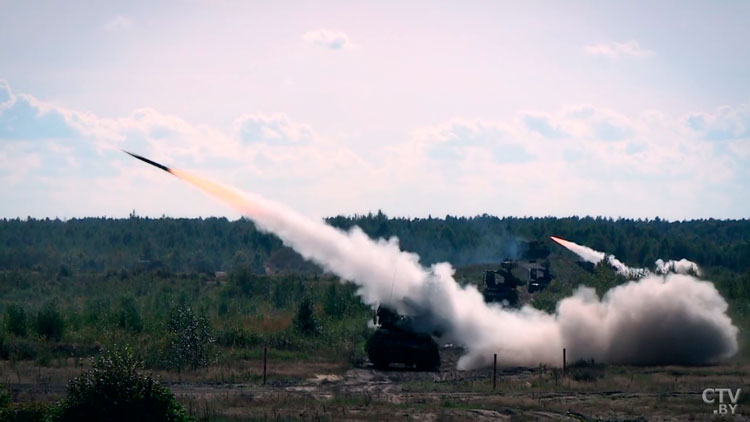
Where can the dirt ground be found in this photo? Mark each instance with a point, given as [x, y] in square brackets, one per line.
[325, 391]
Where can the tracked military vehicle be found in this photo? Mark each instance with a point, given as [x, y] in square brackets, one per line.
[395, 343]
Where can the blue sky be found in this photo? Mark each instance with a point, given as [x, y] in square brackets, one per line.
[632, 109]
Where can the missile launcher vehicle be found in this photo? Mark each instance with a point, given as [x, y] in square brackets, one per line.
[500, 285]
[396, 344]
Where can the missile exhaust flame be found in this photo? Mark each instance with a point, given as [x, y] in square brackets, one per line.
[656, 320]
[586, 253]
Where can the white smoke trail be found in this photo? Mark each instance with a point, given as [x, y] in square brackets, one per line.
[683, 266]
[623, 269]
[673, 319]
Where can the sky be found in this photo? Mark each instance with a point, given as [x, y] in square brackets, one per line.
[621, 109]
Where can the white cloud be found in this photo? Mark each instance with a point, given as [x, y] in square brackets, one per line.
[724, 123]
[6, 95]
[273, 129]
[618, 50]
[326, 38]
[268, 153]
[118, 23]
[579, 160]
[23, 118]
[539, 163]
[582, 121]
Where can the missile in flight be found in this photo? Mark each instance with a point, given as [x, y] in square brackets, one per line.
[153, 163]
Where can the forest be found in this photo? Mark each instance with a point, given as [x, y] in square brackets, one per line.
[217, 244]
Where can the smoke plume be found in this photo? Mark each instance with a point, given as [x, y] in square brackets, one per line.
[683, 266]
[659, 319]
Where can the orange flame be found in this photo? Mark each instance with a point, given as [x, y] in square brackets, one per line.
[560, 241]
[234, 198]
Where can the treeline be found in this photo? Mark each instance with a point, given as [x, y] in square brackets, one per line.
[217, 244]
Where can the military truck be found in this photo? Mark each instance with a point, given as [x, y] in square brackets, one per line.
[396, 343]
[539, 278]
[500, 285]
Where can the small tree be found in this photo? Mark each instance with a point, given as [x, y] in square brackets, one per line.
[129, 318]
[243, 278]
[16, 321]
[334, 303]
[306, 322]
[115, 390]
[190, 338]
[50, 323]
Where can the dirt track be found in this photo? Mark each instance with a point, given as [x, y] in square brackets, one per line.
[367, 394]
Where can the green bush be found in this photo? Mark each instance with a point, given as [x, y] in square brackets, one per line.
[334, 303]
[115, 390]
[306, 322]
[586, 370]
[27, 412]
[16, 320]
[285, 340]
[129, 318]
[22, 350]
[64, 271]
[50, 323]
[244, 279]
[238, 337]
[190, 339]
[4, 397]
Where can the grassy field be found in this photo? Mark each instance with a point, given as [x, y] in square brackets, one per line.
[52, 323]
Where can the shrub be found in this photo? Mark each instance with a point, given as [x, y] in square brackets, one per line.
[306, 322]
[16, 321]
[190, 338]
[50, 323]
[244, 279]
[4, 397]
[64, 271]
[334, 303]
[27, 412]
[237, 337]
[129, 318]
[115, 390]
[20, 350]
[587, 370]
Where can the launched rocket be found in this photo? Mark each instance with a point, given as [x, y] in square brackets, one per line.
[153, 163]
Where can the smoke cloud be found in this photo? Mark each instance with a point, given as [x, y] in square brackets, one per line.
[659, 319]
[682, 266]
